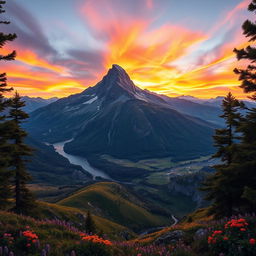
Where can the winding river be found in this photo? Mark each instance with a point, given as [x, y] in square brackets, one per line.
[77, 160]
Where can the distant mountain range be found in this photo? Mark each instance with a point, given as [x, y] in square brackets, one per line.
[117, 118]
[214, 102]
[35, 103]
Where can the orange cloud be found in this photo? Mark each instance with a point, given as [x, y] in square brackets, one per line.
[29, 57]
[158, 59]
[167, 58]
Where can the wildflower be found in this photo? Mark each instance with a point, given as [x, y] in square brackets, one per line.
[240, 223]
[252, 241]
[73, 253]
[210, 239]
[37, 244]
[6, 250]
[96, 239]
[242, 229]
[43, 253]
[216, 232]
[225, 238]
[47, 248]
[29, 234]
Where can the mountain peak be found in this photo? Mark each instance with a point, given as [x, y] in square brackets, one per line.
[118, 68]
[117, 71]
[117, 81]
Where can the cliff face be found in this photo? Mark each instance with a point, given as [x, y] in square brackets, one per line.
[188, 184]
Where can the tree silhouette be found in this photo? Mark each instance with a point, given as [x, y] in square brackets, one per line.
[24, 200]
[219, 186]
[248, 75]
[5, 174]
[246, 159]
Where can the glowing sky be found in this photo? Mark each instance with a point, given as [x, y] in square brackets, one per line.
[174, 47]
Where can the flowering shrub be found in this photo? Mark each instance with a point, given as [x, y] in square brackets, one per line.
[7, 239]
[236, 238]
[92, 245]
[95, 239]
[22, 243]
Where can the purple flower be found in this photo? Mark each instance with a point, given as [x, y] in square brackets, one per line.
[73, 253]
[47, 248]
[37, 244]
[43, 253]
[6, 250]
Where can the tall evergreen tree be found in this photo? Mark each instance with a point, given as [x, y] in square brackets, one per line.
[248, 75]
[24, 200]
[5, 174]
[224, 138]
[219, 187]
[246, 159]
[232, 188]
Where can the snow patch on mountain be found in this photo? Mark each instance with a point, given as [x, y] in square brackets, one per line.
[91, 100]
[140, 96]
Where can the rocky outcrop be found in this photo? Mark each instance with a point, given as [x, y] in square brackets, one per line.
[170, 237]
[201, 233]
[188, 185]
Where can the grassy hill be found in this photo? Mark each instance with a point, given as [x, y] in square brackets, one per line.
[190, 238]
[76, 218]
[58, 233]
[115, 202]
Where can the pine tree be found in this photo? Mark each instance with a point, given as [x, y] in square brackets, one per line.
[219, 186]
[246, 159]
[233, 187]
[90, 227]
[224, 138]
[245, 162]
[5, 174]
[248, 75]
[24, 200]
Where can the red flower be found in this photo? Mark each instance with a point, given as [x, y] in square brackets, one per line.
[225, 238]
[216, 232]
[240, 223]
[210, 240]
[96, 239]
[252, 241]
[242, 229]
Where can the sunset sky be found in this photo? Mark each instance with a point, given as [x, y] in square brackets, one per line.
[173, 47]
